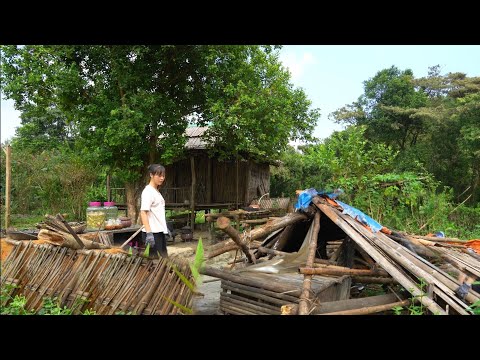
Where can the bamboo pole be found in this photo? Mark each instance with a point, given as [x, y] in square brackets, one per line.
[327, 270]
[392, 269]
[70, 230]
[307, 281]
[438, 239]
[8, 184]
[236, 183]
[373, 280]
[131, 237]
[109, 189]
[371, 309]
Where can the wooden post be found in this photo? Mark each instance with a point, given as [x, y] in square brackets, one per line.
[236, 183]
[307, 282]
[109, 190]
[209, 181]
[247, 199]
[192, 195]
[8, 184]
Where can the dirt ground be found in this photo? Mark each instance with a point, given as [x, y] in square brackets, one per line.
[207, 302]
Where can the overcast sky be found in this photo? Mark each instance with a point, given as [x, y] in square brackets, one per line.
[332, 76]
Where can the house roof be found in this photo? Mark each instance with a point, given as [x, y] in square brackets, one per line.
[195, 140]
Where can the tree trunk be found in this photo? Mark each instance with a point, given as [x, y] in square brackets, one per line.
[130, 191]
[263, 231]
[223, 223]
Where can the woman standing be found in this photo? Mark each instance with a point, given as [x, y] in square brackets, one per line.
[152, 212]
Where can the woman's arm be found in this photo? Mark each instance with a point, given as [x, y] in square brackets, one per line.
[144, 217]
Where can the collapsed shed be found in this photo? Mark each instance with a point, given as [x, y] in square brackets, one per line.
[297, 245]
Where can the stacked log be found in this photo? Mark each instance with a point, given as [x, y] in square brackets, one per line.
[252, 293]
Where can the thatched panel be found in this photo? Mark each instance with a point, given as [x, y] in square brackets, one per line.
[97, 280]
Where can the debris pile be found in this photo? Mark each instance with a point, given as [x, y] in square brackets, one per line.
[327, 239]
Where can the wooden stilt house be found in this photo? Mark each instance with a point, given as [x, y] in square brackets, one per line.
[200, 182]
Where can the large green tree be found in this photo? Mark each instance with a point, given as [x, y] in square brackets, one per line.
[451, 147]
[433, 120]
[127, 106]
[390, 106]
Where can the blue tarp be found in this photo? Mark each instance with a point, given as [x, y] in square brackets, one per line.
[305, 198]
[360, 216]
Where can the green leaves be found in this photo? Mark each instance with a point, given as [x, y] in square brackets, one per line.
[198, 262]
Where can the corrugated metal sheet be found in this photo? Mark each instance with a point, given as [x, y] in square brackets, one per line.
[195, 131]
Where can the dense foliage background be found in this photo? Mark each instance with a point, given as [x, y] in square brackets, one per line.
[409, 155]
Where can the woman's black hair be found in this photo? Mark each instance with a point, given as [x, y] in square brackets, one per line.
[156, 169]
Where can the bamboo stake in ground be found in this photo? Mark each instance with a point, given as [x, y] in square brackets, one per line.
[223, 223]
[307, 282]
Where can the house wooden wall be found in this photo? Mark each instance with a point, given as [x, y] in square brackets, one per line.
[216, 179]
